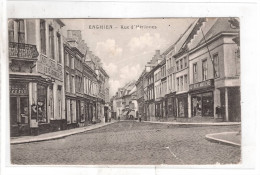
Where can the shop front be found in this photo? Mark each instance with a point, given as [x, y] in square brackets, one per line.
[202, 104]
[71, 112]
[158, 109]
[28, 104]
[171, 111]
[202, 100]
[19, 109]
[182, 105]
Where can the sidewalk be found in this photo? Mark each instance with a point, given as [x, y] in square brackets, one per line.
[230, 138]
[56, 135]
[197, 124]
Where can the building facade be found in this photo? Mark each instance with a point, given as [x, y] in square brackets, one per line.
[215, 84]
[36, 75]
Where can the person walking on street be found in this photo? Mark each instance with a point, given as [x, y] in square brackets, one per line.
[140, 117]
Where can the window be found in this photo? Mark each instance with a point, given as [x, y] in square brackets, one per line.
[11, 30]
[216, 65]
[73, 84]
[21, 31]
[51, 42]
[204, 70]
[173, 83]
[237, 60]
[72, 62]
[185, 62]
[67, 82]
[195, 73]
[181, 83]
[178, 84]
[185, 81]
[172, 61]
[177, 64]
[43, 36]
[59, 47]
[181, 64]
[67, 59]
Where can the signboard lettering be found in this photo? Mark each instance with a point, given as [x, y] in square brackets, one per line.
[200, 85]
[49, 67]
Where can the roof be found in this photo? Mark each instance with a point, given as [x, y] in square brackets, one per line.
[211, 28]
[179, 42]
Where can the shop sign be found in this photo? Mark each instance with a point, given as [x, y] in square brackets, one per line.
[49, 67]
[202, 85]
[23, 51]
[18, 89]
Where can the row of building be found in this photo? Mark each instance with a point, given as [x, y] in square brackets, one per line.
[56, 82]
[197, 79]
[124, 102]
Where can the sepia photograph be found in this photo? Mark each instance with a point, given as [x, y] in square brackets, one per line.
[125, 91]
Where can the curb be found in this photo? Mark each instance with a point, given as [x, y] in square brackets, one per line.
[210, 137]
[14, 142]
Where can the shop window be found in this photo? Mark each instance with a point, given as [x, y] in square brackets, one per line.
[68, 113]
[202, 104]
[82, 113]
[51, 42]
[196, 105]
[60, 101]
[207, 104]
[181, 105]
[43, 36]
[41, 104]
[204, 70]
[51, 106]
[216, 65]
[11, 30]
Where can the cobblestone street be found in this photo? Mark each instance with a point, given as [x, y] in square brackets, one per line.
[134, 143]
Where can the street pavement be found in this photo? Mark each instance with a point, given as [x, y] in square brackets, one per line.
[57, 134]
[131, 143]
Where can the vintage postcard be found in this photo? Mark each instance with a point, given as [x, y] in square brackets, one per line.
[157, 92]
[125, 91]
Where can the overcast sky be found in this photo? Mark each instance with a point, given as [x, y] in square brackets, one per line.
[124, 52]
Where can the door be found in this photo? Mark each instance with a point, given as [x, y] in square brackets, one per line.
[13, 111]
[19, 110]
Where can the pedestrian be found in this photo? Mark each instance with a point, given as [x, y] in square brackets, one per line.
[140, 117]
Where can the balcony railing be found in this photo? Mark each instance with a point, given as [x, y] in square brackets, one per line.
[22, 51]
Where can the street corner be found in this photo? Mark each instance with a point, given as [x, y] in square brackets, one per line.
[228, 138]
